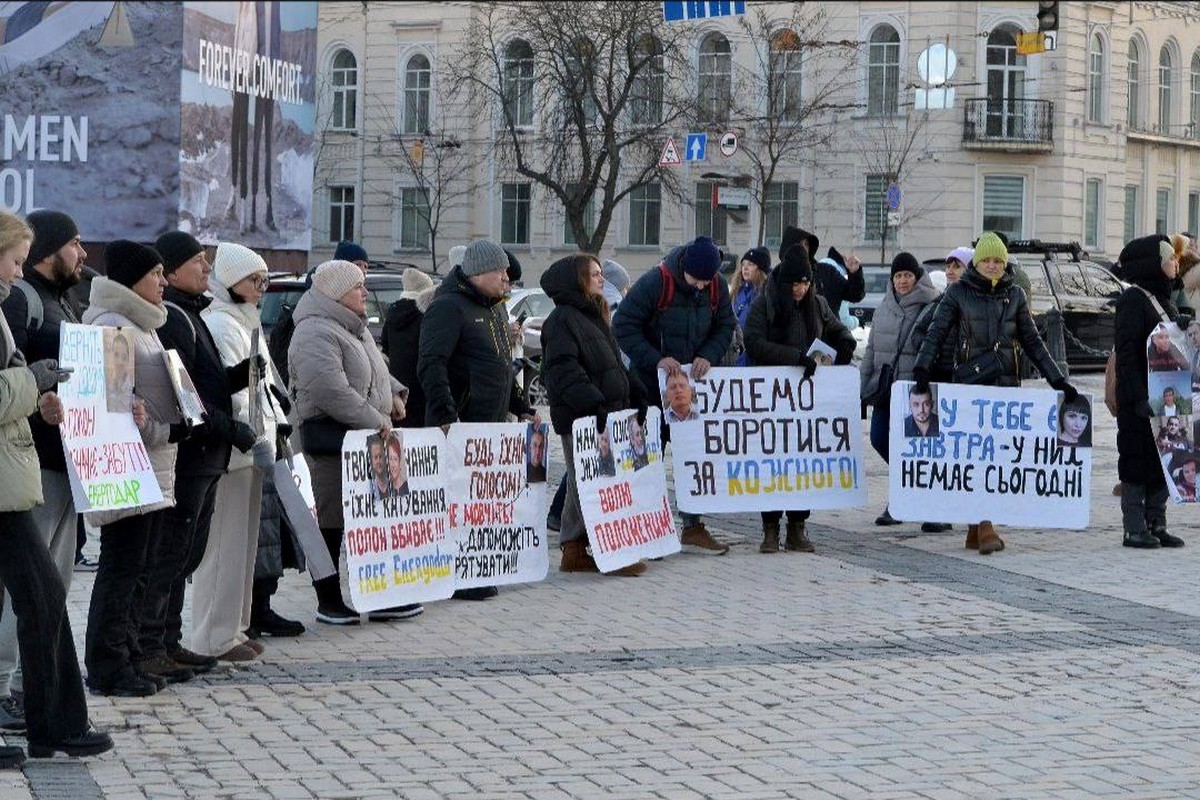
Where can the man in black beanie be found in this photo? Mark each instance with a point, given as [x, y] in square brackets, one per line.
[36, 309]
[202, 459]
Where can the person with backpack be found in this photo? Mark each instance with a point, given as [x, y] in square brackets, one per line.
[678, 314]
[39, 302]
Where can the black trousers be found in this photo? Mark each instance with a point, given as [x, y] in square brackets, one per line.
[775, 516]
[55, 704]
[180, 550]
[239, 141]
[126, 552]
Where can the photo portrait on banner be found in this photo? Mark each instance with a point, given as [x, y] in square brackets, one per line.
[1173, 384]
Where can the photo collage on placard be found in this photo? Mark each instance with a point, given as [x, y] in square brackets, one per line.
[1174, 388]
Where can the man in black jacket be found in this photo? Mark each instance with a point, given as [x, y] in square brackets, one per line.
[36, 309]
[465, 366]
[203, 456]
[830, 283]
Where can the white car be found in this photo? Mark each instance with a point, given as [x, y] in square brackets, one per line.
[530, 307]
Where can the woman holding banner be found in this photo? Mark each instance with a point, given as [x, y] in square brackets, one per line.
[988, 314]
[131, 297]
[584, 377]
[784, 322]
[1149, 263]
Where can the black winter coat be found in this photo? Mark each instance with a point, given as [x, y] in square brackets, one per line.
[837, 288]
[1137, 455]
[582, 368]
[402, 345]
[777, 336]
[58, 306]
[980, 317]
[943, 365]
[465, 363]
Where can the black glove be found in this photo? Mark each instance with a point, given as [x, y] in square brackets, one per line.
[243, 436]
[809, 364]
[181, 431]
[601, 421]
[921, 379]
[285, 405]
[1069, 391]
[642, 408]
[239, 376]
[284, 430]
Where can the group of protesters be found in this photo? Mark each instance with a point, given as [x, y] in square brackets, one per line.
[446, 357]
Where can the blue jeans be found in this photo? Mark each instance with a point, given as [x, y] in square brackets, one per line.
[880, 422]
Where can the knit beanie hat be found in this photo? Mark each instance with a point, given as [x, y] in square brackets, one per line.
[350, 251]
[177, 248]
[483, 256]
[963, 255]
[456, 255]
[51, 230]
[796, 267]
[334, 278]
[616, 275]
[234, 262]
[702, 258]
[415, 281]
[907, 262]
[760, 257]
[990, 246]
[128, 262]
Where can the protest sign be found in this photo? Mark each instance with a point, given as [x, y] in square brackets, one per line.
[765, 439]
[498, 503]
[623, 489]
[191, 407]
[106, 459]
[293, 484]
[1173, 386]
[968, 453]
[399, 548]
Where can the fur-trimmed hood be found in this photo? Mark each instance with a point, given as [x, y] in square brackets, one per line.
[108, 295]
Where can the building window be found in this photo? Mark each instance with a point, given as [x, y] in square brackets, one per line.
[589, 218]
[1162, 211]
[341, 213]
[1193, 213]
[1133, 81]
[1091, 214]
[414, 219]
[518, 83]
[1194, 82]
[645, 205]
[417, 76]
[876, 210]
[646, 95]
[1095, 85]
[515, 205]
[883, 71]
[785, 76]
[716, 78]
[343, 76]
[781, 204]
[1004, 205]
[1166, 77]
[1006, 113]
[1131, 213]
[711, 219]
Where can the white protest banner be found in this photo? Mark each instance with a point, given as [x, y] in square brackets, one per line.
[971, 453]
[1174, 392]
[106, 459]
[394, 495]
[765, 439]
[293, 484]
[498, 503]
[623, 489]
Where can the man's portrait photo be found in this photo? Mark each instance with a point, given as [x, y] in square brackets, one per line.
[637, 445]
[608, 464]
[921, 419]
[535, 453]
[381, 481]
[679, 400]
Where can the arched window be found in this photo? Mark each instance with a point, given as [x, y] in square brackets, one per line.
[646, 100]
[417, 76]
[1194, 84]
[343, 76]
[785, 76]
[883, 71]
[716, 78]
[1095, 83]
[518, 82]
[1166, 77]
[1006, 109]
[1133, 84]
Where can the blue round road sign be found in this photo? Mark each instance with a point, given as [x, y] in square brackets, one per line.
[893, 196]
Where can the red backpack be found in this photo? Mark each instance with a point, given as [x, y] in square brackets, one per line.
[668, 289]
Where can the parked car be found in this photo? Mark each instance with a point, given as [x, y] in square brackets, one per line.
[530, 307]
[383, 289]
[876, 277]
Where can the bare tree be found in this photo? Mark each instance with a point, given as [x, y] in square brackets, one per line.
[583, 97]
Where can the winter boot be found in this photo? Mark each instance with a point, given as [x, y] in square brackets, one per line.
[1142, 539]
[770, 542]
[575, 558]
[330, 608]
[797, 542]
[1135, 513]
[972, 537]
[989, 541]
[1156, 518]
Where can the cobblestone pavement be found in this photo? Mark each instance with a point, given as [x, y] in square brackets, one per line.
[891, 664]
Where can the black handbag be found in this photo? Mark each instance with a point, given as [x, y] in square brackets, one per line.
[984, 368]
[322, 436]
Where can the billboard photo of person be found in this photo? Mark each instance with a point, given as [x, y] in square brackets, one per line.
[921, 420]
[608, 464]
[118, 370]
[1075, 422]
[535, 453]
[679, 398]
[397, 468]
[637, 445]
[381, 481]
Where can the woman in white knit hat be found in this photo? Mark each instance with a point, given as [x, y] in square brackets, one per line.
[222, 582]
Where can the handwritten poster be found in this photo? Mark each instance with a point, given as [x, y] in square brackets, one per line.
[623, 489]
[1173, 384]
[398, 543]
[971, 453]
[765, 439]
[106, 459]
[498, 503]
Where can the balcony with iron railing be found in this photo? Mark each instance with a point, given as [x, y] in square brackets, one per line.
[1019, 126]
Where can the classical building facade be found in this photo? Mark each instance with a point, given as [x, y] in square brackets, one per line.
[1094, 141]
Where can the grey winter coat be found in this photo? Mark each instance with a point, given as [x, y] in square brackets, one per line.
[116, 306]
[21, 488]
[891, 340]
